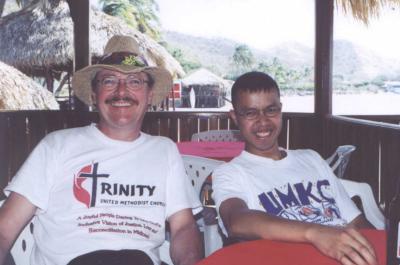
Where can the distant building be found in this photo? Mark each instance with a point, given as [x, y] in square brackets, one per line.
[392, 86]
[210, 89]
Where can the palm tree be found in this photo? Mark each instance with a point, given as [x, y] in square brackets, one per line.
[242, 56]
[140, 14]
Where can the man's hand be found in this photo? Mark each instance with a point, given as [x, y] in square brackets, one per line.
[186, 247]
[346, 245]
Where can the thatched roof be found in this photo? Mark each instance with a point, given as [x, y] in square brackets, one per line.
[20, 92]
[364, 10]
[203, 77]
[35, 40]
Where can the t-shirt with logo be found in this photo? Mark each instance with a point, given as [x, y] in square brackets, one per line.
[94, 193]
[300, 187]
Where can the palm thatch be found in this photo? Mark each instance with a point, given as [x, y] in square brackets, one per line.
[38, 40]
[20, 92]
[364, 10]
[202, 77]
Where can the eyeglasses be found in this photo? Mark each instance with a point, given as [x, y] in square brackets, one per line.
[253, 114]
[112, 82]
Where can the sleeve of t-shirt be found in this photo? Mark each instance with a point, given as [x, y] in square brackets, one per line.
[348, 208]
[180, 192]
[33, 179]
[226, 184]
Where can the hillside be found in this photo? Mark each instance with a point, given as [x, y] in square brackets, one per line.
[351, 62]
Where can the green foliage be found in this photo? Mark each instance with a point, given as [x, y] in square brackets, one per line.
[379, 80]
[122, 9]
[187, 64]
[242, 60]
[140, 14]
[243, 56]
[288, 79]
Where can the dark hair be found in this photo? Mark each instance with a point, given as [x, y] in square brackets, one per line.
[94, 82]
[253, 82]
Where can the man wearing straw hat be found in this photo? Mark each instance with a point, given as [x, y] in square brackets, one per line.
[101, 194]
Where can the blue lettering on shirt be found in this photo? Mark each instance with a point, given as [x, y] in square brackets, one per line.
[302, 201]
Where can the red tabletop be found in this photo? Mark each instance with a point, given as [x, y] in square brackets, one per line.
[267, 252]
[215, 150]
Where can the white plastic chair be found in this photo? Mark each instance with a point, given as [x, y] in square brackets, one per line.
[369, 205]
[338, 162]
[22, 248]
[198, 169]
[340, 158]
[217, 136]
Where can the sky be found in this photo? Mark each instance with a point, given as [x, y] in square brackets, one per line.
[260, 23]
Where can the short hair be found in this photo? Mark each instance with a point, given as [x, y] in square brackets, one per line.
[253, 82]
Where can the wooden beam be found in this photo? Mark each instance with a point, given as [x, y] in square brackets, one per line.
[323, 56]
[80, 10]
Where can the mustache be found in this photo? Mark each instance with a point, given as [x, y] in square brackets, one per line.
[116, 98]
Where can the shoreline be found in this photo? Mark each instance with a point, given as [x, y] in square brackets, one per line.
[366, 103]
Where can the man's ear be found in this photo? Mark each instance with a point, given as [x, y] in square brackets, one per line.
[150, 96]
[232, 114]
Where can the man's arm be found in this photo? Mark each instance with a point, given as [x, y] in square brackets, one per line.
[186, 246]
[346, 245]
[15, 213]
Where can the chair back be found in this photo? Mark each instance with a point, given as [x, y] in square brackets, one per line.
[340, 158]
[198, 169]
[217, 136]
[369, 205]
[23, 246]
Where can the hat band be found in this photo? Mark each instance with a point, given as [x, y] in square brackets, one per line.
[123, 58]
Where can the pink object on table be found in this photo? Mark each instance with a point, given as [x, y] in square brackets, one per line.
[215, 150]
[268, 252]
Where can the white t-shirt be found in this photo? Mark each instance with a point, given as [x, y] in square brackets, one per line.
[94, 193]
[300, 186]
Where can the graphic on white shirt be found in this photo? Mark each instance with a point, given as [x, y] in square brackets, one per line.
[102, 191]
[301, 201]
[81, 194]
[94, 188]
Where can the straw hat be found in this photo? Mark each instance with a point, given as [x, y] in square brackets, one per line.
[122, 54]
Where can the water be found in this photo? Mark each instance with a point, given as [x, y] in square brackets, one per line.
[380, 103]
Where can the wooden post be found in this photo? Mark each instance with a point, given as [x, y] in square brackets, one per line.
[80, 10]
[323, 57]
[323, 70]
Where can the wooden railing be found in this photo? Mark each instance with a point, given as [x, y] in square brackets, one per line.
[377, 157]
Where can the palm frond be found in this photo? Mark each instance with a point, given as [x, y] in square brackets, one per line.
[364, 10]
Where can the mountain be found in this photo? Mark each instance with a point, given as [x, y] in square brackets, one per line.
[213, 54]
[216, 53]
[350, 61]
[357, 63]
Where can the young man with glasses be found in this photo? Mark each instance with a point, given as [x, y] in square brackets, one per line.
[290, 195]
[101, 194]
